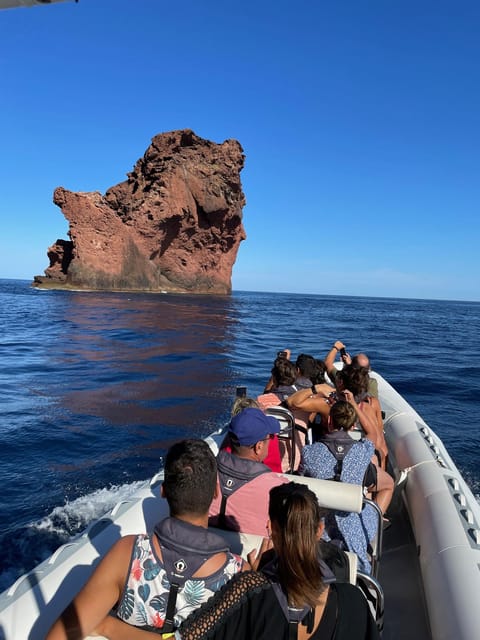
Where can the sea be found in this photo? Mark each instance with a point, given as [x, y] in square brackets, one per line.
[94, 387]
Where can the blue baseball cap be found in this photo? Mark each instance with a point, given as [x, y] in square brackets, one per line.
[252, 425]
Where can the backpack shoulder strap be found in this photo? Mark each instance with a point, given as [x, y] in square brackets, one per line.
[339, 444]
[294, 616]
[233, 474]
[185, 548]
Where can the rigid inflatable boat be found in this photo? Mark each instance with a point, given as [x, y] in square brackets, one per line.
[429, 568]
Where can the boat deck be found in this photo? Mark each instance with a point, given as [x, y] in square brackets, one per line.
[399, 575]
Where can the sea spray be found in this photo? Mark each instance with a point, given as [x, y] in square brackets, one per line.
[36, 540]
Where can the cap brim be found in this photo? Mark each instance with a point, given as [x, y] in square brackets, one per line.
[274, 424]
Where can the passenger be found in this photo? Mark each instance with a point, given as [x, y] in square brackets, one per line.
[319, 461]
[255, 605]
[320, 370]
[273, 459]
[242, 403]
[306, 368]
[356, 379]
[136, 574]
[363, 361]
[316, 403]
[319, 384]
[360, 360]
[281, 384]
[241, 503]
[284, 374]
[285, 354]
[318, 387]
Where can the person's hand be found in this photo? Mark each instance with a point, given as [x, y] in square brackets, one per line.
[349, 397]
[347, 359]
[338, 345]
[255, 555]
[323, 390]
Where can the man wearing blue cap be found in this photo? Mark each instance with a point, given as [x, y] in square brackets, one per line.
[244, 481]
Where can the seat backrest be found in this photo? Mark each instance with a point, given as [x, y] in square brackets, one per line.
[373, 592]
[377, 543]
[288, 428]
[285, 418]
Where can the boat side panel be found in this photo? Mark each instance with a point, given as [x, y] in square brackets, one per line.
[445, 519]
[452, 587]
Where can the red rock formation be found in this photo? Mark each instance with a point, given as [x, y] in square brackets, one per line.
[174, 225]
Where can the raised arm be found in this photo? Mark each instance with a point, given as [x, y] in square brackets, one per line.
[367, 421]
[332, 354]
[307, 400]
[270, 383]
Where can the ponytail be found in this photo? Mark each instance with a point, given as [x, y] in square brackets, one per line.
[295, 516]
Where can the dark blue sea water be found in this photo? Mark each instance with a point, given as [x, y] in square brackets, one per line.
[94, 387]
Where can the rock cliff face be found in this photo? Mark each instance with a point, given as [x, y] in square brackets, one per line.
[174, 225]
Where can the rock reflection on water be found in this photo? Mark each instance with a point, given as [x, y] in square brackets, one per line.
[141, 370]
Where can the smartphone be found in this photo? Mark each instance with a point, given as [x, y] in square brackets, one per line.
[241, 392]
[282, 354]
[343, 352]
[332, 397]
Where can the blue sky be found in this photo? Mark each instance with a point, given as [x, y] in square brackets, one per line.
[359, 121]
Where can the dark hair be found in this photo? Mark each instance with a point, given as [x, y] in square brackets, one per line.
[190, 477]
[306, 365]
[342, 415]
[318, 376]
[283, 372]
[295, 516]
[354, 379]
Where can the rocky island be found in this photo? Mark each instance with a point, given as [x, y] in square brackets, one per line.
[174, 225]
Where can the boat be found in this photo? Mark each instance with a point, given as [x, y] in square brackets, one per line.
[429, 568]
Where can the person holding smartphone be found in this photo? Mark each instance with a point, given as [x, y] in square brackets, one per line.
[359, 360]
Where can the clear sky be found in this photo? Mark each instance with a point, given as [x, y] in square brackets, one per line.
[359, 120]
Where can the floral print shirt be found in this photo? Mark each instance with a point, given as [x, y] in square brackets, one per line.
[145, 595]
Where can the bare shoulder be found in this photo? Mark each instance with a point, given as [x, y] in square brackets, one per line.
[118, 557]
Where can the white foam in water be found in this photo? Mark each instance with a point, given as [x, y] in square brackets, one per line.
[38, 540]
[67, 520]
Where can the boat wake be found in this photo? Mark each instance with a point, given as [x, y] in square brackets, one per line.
[25, 547]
